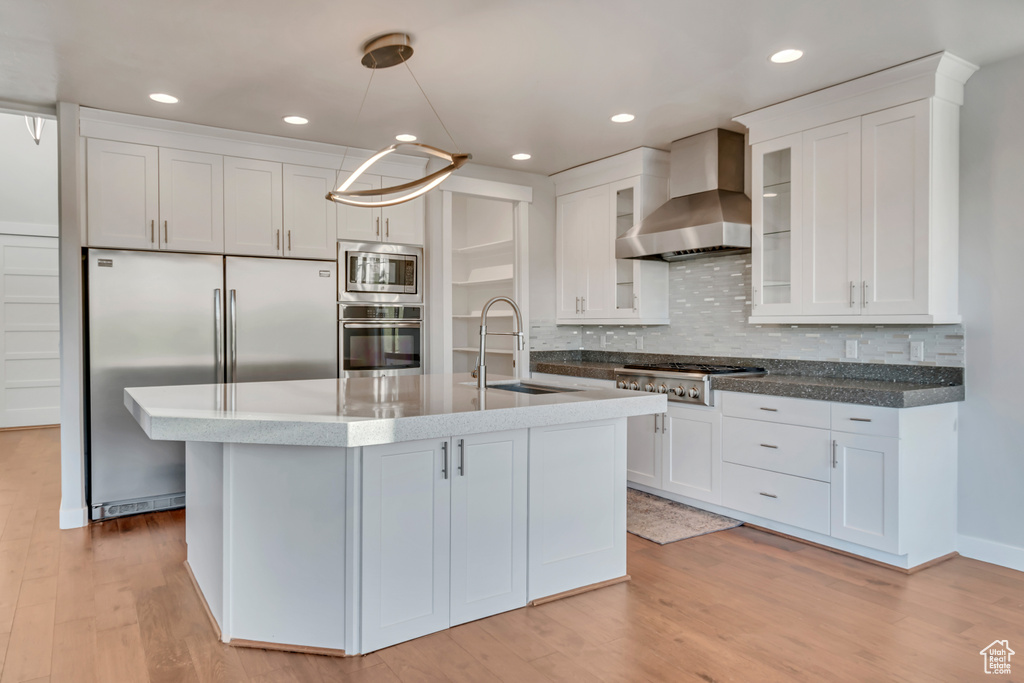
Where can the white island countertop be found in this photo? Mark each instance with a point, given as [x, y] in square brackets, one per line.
[366, 411]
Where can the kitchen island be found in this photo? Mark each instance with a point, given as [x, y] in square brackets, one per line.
[343, 516]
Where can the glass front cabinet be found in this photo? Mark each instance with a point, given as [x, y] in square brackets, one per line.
[776, 227]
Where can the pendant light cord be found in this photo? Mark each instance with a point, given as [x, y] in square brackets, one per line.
[337, 176]
[431, 104]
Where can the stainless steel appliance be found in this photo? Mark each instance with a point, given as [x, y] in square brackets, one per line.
[165, 319]
[380, 340]
[682, 382]
[375, 272]
[708, 212]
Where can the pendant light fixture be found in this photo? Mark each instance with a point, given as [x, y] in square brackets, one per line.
[381, 53]
[35, 127]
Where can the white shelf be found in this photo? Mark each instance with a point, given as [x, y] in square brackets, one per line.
[500, 352]
[484, 248]
[474, 283]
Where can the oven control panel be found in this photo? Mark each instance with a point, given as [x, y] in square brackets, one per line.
[677, 389]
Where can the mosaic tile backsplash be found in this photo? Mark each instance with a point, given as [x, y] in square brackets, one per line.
[709, 303]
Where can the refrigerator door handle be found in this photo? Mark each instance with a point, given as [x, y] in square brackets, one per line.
[218, 334]
[232, 338]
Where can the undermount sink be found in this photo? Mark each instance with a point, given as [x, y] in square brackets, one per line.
[531, 388]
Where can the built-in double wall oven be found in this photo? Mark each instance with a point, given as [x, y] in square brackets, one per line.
[380, 306]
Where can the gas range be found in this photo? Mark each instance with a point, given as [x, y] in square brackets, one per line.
[681, 382]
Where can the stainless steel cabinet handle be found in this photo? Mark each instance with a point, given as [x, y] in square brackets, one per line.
[444, 459]
[583, 303]
[636, 305]
[768, 445]
[462, 457]
[577, 305]
[232, 337]
[387, 228]
[166, 239]
[864, 294]
[771, 410]
[655, 423]
[860, 419]
[152, 230]
[278, 240]
[768, 495]
[289, 240]
[218, 334]
[851, 293]
[378, 226]
[835, 457]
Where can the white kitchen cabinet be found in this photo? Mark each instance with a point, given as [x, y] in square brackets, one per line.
[643, 450]
[865, 490]
[252, 207]
[692, 452]
[861, 225]
[402, 223]
[444, 534]
[584, 263]
[122, 194]
[191, 201]
[310, 219]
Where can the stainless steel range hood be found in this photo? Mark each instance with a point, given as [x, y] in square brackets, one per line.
[708, 212]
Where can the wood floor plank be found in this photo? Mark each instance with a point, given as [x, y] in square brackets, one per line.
[500, 660]
[74, 652]
[167, 658]
[30, 646]
[215, 662]
[119, 655]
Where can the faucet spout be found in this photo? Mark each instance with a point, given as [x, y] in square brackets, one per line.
[481, 366]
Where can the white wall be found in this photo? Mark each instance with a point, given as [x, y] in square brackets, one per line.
[991, 479]
[28, 178]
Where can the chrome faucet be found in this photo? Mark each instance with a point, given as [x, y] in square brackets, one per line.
[481, 367]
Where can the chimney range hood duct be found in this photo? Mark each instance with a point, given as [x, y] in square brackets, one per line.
[708, 212]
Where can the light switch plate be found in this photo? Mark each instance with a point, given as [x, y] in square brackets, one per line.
[917, 350]
[851, 348]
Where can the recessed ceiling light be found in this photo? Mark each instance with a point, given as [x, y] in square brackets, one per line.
[770, 194]
[785, 56]
[163, 98]
[623, 118]
[521, 156]
[405, 137]
[296, 120]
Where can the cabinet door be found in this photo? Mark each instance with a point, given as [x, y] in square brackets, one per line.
[569, 253]
[191, 201]
[122, 194]
[865, 490]
[894, 230]
[776, 207]
[358, 224]
[310, 219]
[599, 244]
[405, 555]
[252, 207]
[831, 219]
[402, 223]
[643, 459]
[692, 454]
[624, 197]
[488, 560]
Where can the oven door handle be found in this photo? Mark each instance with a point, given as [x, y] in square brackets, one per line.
[373, 326]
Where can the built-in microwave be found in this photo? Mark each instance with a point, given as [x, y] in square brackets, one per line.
[380, 273]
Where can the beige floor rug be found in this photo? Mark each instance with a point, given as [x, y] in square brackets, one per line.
[665, 521]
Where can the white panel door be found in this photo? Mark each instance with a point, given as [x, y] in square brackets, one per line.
[191, 201]
[577, 506]
[830, 219]
[310, 219]
[122, 194]
[252, 207]
[570, 254]
[361, 224]
[643, 458]
[599, 242]
[29, 331]
[692, 453]
[895, 221]
[777, 234]
[489, 497]
[405, 572]
[865, 490]
[402, 223]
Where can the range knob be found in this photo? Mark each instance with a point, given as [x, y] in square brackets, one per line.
[662, 389]
[649, 387]
[693, 393]
[621, 384]
[634, 386]
[679, 391]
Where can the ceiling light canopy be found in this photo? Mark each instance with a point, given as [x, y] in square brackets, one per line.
[296, 120]
[163, 98]
[521, 156]
[786, 56]
[382, 52]
[623, 118]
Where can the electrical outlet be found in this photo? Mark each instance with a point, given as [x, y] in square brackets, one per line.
[639, 343]
[851, 348]
[917, 350]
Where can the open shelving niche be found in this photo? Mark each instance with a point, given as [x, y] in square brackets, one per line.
[485, 242]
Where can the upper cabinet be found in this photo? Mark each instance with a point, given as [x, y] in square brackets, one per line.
[252, 207]
[401, 223]
[191, 201]
[855, 199]
[310, 219]
[596, 203]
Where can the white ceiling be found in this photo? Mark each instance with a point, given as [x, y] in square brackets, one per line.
[538, 76]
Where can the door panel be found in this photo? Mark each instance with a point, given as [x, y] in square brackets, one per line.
[252, 207]
[643, 460]
[361, 224]
[777, 228]
[310, 219]
[865, 491]
[402, 223]
[692, 453]
[123, 194]
[599, 246]
[191, 201]
[570, 254]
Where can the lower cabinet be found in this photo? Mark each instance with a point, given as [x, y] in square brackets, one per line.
[865, 491]
[443, 534]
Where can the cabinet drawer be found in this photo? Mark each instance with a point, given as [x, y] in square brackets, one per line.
[792, 411]
[800, 451]
[873, 420]
[779, 497]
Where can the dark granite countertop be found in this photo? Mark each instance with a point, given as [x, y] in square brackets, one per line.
[874, 384]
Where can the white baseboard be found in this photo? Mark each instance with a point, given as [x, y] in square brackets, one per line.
[75, 518]
[991, 551]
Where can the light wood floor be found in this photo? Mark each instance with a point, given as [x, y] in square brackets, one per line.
[112, 604]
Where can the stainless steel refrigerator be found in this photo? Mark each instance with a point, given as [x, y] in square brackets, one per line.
[163, 319]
